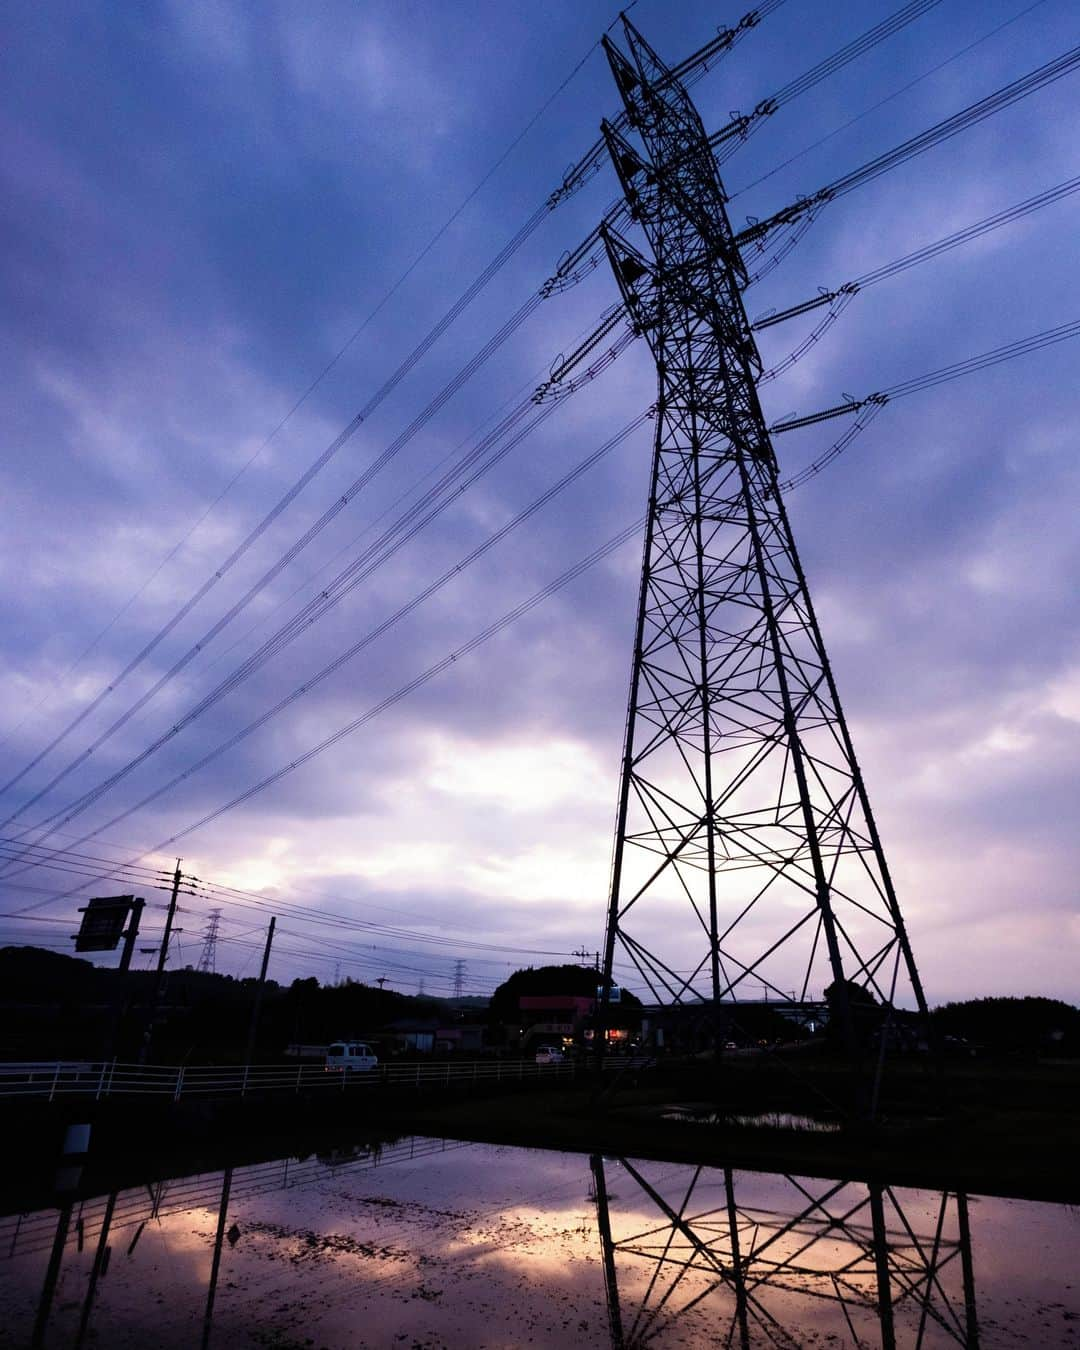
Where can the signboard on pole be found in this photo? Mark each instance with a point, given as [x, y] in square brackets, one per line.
[103, 923]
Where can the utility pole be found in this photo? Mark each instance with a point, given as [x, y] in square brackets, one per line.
[257, 1005]
[163, 953]
[745, 845]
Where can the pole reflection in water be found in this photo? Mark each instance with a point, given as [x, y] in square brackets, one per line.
[431, 1243]
[851, 1263]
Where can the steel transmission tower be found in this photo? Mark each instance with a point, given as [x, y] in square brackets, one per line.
[743, 819]
[208, 956]
[459, 978]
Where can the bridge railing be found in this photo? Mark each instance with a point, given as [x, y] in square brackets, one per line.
[113, 1078]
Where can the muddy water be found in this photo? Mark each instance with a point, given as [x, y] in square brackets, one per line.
[432, 1244]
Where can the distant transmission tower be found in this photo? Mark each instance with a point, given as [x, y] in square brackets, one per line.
[208, 956]
[459, 978]
[747, 860]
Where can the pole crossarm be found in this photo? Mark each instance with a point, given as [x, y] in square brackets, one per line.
[745, 842]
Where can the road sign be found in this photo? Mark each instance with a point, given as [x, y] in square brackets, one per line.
[103, 923]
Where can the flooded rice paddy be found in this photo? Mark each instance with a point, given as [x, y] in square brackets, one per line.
[426, 1243]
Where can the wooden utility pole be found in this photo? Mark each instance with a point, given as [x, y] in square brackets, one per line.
[163, 954]
[164, 951]
[253, 1029]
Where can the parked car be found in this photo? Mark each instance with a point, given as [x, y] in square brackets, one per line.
[350, 1057]
[550, 1054]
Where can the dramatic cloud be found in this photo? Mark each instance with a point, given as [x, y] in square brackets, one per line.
[202, 203]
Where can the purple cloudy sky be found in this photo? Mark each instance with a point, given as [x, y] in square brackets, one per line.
[202, 201]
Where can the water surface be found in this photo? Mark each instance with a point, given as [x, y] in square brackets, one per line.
[439, 1244]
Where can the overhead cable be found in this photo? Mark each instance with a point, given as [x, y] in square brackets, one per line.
[838, 300]
[270, 574]
[380, 630]
[490, 451]
[1008, 352]
[939, 133]
[698, 62]
[984, 360]
[975, 231]
[728, 139]
[963, 51]
[410, 687]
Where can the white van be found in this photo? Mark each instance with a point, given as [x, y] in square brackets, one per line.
[350, 1057]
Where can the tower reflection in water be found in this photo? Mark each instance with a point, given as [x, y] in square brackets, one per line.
[433, 1242]
[748, 1259]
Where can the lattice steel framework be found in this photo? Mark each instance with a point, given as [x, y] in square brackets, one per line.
[752, 1259]
[742, 810]
[208, 957]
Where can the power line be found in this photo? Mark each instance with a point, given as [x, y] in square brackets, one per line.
[269, 575]
[321, 376]
[871, 38]
[510, 432]
[1008, 352]
[1035, 80]
[984, 360]
[373, 635]
[510, 617]
[963, 51]
[974, 231]
[840, 299]
[726, 141]
[574, 178]
[953, 371]
[232, 897]
[933, 136]
[968, 366]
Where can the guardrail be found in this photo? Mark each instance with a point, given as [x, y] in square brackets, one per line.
[114, 1079]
